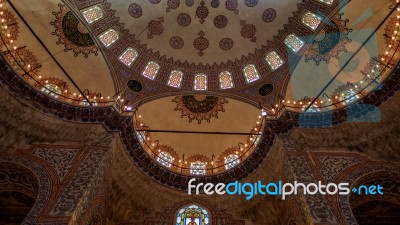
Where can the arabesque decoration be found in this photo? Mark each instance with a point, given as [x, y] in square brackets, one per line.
[330, 41]
[199, 107]
[72, 33]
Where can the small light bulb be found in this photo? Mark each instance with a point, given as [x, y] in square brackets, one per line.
[264, 113]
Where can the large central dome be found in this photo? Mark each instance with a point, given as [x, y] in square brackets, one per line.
[205, 32]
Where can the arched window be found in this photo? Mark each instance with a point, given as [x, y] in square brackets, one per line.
[328, 2]
[52, 90]
[274, 60]
[165, 159]
[231, 161]
[311, 20]
[256, 140]
[86, 103]
[225, 80]
[251, 73]
[109, 37]
[294, 43]
[349, 97]
[374, 73]
[175, 78]
[200, 82]
[141, 136]
[128, 56]
[151, 70]
[198, 168]
[311, 109]
[93, 14]
[193, 214]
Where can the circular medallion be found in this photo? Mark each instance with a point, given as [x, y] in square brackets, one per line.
[226, 44]
[220, 21]
[155, 27]
[201, 43]
[215, 3]
[248, 31]
[176, 42]
[269, 15]
[74, 31]
[251, 3]
[189, 3]
[266, 89]
[184, 19]
[199, 103]
[328, 38]
[134, 85]
[135, 10]
[330, 42]
[199, 107]
[231, 5]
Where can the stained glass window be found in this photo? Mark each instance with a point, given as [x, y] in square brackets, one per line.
[109, 37]
[274, 60]
[225, 80]
[141, 136]
[256, 140]
[191, 215]
[349, 97]
[128, 56]
[311, 20]
[374, 73]
[200, 82]
[151, 70]
[165, 159]
[93, 14]
[328, 2]
[175, 78]
[294, 43]
[251, 73]
[198, 168]
[231, 161]
[52, 90]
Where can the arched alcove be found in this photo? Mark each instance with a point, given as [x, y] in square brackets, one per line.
[365, 174]
[377, 209]
[19, 189]
[24, 175]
